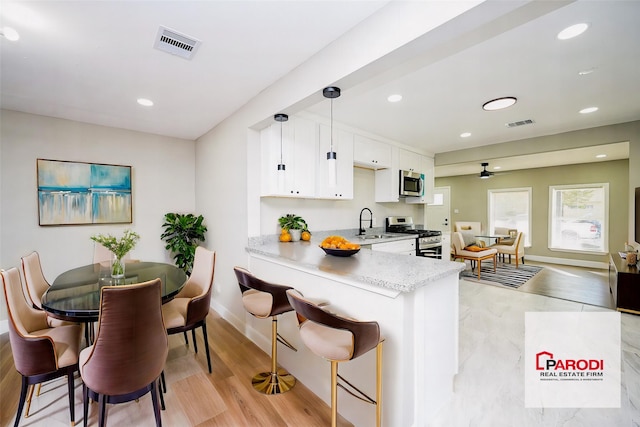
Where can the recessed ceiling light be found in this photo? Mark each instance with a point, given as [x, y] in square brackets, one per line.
[465, 134]
[588, 110]
[499, 103]
[394, 98]
[586, 72]
[572, 31]
[145, 102]
[9, 33]
[497, 167]
[601, 156]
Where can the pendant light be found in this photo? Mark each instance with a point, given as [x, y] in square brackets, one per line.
[281, 166]
[331, 92]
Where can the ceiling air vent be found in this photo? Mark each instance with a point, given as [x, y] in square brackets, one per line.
[519, 123]
[175, 43]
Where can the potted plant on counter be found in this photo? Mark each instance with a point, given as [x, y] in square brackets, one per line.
[294, 226]
[119, 248]
[183, 233]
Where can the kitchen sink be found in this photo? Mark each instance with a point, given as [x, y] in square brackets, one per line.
[374, 236]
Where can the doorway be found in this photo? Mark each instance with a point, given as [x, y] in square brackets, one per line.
[438, 215]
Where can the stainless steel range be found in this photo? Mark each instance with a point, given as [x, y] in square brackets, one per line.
[428, 242]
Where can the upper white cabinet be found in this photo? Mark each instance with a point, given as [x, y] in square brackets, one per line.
[410, 161]
[299, 155]
[369, 153]
[343, 146]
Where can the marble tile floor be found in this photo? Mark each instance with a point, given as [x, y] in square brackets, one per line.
[492, 335]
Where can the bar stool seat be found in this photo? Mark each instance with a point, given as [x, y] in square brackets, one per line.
[339, 339]
[262, 300]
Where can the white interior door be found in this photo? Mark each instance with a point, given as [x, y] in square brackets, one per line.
[438, 215]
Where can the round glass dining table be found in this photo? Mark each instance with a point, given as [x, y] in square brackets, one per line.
[75, 294]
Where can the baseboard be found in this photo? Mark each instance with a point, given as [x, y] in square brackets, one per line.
[4, 326]
[567, 261]
[260, 340]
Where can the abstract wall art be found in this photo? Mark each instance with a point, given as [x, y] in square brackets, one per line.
[72, 193]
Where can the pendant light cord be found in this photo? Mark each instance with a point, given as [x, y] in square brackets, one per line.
[280, 142]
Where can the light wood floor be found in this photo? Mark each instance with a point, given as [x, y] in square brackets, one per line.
[194, 397]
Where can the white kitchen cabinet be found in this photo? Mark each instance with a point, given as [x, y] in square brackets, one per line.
[299, 154]
[405, 247]
[410, 161]
[343, 146]
[371, 154]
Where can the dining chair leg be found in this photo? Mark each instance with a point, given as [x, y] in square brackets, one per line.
[23, 395]
[102, 410]
[161, 395]
[195, 343]
[186, 339]
[379, 385]
[206, 343]
[72, 407]
[85, 404]
[154, 401]
[163, 382]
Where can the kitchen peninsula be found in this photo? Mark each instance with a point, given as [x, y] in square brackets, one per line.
[415, 301]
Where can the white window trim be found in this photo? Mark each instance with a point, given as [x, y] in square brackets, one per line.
[605, 226]
[529, 190]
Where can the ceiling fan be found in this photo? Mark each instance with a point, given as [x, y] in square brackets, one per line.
[485, 173]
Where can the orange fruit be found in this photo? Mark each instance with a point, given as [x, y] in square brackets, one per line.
[306, 236]
[285, 237]
[284, 231]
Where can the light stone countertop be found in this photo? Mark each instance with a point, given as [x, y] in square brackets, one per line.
[397, 272]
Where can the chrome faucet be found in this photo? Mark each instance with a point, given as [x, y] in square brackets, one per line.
[361, 230]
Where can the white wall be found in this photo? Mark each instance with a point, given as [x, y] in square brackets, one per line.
[163, 180]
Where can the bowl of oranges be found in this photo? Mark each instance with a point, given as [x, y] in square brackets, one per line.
[339, 246]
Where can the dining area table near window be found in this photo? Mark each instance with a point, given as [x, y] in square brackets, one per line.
[75, 294]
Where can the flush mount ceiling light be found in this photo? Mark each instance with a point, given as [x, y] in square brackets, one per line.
[499, 103]
[331, 92]
[145, 102]
[465, 134]
[572, 31]
[588, 110]
[394, 98]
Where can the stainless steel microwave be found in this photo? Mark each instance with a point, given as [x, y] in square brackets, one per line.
[411, 184]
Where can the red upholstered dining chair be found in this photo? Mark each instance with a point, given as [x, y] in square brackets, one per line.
[130, 349]
[40, 353]
[263, 300]
[190, 307]
[339, 339]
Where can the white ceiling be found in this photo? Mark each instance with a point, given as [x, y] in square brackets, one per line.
[90, 60]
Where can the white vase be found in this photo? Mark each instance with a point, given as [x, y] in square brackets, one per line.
[117, 267]
[295, 235]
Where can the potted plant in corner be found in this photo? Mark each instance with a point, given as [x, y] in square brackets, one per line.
[119, 248]
[293, 224]
[183, 233]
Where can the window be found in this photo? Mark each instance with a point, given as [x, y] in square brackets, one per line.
[578, 217]
[511, 208]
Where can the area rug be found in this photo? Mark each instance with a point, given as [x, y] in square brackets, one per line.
[505, 275]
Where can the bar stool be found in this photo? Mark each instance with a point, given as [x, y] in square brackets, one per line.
[262, 300]
[339, 339]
